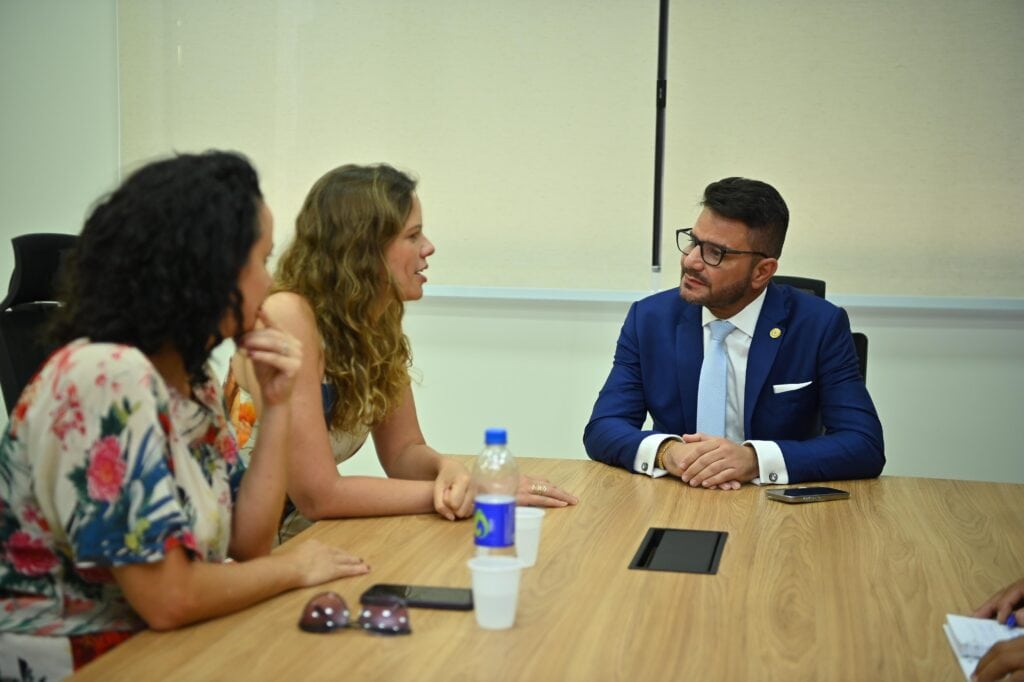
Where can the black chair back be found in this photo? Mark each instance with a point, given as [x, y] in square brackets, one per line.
[28, 308]
[860, 344]
[817, 287]
[811, 286]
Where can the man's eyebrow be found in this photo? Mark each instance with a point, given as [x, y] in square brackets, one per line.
[710, 243]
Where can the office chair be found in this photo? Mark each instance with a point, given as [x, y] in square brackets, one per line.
[860, 344]
[29, 307]
[811, 286]
[817, 287]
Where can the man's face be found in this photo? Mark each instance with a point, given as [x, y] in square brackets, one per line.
[727, 288]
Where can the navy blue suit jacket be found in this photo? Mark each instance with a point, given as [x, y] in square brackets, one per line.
[827, 430]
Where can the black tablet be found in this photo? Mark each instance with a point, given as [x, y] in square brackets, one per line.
[680, 550]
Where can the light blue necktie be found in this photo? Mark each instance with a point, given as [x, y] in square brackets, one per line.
[711, 390]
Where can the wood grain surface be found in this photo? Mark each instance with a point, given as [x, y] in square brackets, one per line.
[852, 589]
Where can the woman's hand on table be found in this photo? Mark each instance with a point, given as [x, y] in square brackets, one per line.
[454, 492]
[453, 498]
[319, 563]
[540, 492]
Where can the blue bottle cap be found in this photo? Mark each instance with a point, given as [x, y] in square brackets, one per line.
[495, 437]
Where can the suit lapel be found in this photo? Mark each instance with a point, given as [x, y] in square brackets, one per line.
[689, 356]
[763, 350]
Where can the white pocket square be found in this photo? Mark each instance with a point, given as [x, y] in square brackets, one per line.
[786, 388]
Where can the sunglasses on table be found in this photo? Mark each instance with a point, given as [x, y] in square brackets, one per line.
[380, 614]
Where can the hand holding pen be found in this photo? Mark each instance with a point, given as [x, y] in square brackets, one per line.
[1005, 660]
[1006, 605]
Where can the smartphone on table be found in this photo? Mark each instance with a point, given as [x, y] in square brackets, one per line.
[806, 494]
[423, 596]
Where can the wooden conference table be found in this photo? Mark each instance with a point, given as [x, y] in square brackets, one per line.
[854, 589]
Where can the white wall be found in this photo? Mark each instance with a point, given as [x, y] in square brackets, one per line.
[59, 117]
[486, 101]
[891, 128]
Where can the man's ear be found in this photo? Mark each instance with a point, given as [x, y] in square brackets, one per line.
[763, 272]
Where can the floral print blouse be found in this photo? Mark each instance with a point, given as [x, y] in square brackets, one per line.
[102, 465]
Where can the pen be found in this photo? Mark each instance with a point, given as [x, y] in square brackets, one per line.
[1011, 621]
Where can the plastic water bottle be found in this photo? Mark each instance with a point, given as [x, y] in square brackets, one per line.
[496, 477]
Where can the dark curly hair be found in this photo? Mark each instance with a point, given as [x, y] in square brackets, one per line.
[158, 260]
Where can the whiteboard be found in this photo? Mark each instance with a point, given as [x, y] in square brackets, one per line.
[893, 130]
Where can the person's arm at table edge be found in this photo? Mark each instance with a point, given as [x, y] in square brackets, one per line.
[853, 445]
[177, 591]
[1004, 661]
[613, 434]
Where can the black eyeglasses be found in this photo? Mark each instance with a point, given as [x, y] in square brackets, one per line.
[381, 614]
[712, 254]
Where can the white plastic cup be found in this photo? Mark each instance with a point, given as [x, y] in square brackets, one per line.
[528, 525]
[495, 590]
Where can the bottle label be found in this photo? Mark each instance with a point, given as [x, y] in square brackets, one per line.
[494, 521]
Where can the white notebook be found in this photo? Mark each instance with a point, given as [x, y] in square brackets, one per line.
[971, 638]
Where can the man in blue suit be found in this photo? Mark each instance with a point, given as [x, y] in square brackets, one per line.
[783, 366]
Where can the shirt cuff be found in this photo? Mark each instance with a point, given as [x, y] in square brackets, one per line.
[771, 465]
[643, 463]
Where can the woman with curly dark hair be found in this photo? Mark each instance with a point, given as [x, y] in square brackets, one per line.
[121, 490]
[358, 255]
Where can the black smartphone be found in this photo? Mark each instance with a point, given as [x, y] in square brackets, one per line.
[807, 494]
[423, 596]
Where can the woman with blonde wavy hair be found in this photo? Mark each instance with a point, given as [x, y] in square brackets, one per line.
[358, 255]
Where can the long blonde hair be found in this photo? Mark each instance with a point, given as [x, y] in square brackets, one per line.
[337, 263]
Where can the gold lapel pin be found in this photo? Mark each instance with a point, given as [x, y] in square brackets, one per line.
[775, 333]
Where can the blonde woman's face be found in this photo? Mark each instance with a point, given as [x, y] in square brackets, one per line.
[407, 255]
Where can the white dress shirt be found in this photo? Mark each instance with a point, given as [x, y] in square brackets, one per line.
[771, 465]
